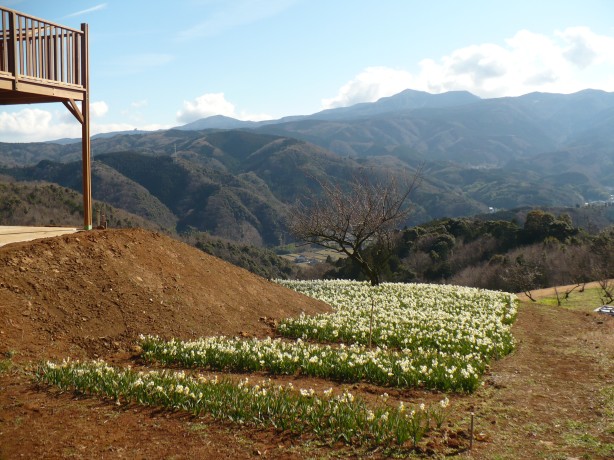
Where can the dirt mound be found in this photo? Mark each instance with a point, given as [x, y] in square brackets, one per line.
[93, 293]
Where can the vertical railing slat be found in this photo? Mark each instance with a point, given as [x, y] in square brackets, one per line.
[78, 79]
[24, 48]
[29, 50]
[58, 54]
[44, 51]
[69, 57]
[21, 45]
[4, 62]
[50, 55]
[39, 52]
[61, 51]
[33, 57]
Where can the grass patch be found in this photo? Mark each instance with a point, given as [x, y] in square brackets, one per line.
[586, 300]
[608, 407]
[198, 427]
[583, 440]
[6, 363]
[579, 437]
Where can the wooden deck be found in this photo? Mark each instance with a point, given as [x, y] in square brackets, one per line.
[17, 234]
[42, 62]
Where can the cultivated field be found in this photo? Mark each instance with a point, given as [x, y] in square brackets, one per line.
[537, 379]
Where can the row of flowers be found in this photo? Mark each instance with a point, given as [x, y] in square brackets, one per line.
[387, 367]
[451, 319]
[328, 416]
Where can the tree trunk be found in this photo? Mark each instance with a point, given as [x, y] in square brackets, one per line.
[372, 274]
[369, 271]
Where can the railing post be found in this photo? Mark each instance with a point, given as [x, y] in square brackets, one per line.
[85, 133]
[12, 48]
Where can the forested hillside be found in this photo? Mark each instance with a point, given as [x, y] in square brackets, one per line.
[545, 250]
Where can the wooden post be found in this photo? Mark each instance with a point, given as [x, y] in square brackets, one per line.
[85, 133]
[12, 48]
[471, 432]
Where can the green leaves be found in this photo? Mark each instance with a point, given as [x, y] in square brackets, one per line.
[328, 416]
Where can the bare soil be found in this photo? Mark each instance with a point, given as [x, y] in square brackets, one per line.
[91, 295]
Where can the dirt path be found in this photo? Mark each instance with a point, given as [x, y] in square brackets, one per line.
[548, 399]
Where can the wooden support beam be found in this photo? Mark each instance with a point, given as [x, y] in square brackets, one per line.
[12, 48]
[74, 109]
[85, 133]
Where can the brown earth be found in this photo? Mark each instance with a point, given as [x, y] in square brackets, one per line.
[92, 294]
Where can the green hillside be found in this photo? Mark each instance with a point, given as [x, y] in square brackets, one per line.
[42, 204]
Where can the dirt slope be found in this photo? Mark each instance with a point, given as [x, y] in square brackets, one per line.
[94, 293]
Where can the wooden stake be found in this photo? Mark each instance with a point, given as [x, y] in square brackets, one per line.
[471, 432]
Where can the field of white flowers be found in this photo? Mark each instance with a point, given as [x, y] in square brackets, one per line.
[431, 336]
[422, 336]
[444, 318]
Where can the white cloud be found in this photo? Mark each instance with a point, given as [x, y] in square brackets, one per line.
[139, 104]
[210, 104]
[370, 85]
[33, 125]
[564, 62]
[585, 48]
[37, 125]
[99, 108]
[205, 106]
[99, 7]
[233, 14]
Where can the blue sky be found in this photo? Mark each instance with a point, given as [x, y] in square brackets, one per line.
[157, 64]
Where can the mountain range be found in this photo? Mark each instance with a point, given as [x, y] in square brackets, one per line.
[236, 179]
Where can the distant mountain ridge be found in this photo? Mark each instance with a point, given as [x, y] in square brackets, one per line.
[484, 133]
[456, 126]
[217, 122]
[453, 126]
[236, 179]
[406, 100]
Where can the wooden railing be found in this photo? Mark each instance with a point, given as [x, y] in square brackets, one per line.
[40, 51]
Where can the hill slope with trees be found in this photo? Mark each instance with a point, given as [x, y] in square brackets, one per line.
[546, 250]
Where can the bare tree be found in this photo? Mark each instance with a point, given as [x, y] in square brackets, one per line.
[523, 276]
[351, 219]
[607, 290]
[603, 251]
